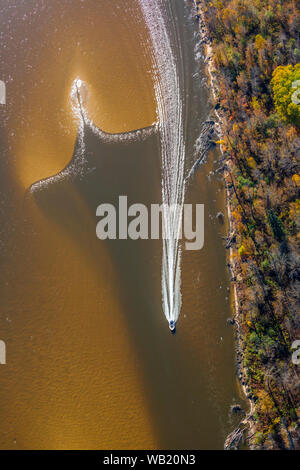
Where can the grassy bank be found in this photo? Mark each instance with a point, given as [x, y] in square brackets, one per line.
[253, 52]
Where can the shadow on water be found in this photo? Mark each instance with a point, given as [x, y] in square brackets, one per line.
[171, 376]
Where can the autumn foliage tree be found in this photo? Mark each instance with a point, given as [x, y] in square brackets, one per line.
[286, 92]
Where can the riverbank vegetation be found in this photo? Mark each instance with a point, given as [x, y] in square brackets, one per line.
[255, 56]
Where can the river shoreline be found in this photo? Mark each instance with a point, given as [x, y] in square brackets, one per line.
[247, 424]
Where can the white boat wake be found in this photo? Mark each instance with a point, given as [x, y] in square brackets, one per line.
[170, 121]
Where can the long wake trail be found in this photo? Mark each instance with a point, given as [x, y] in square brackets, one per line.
[159, 19]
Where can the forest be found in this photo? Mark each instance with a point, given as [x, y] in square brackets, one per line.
[256, 54]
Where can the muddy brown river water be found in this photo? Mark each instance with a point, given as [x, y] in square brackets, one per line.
[91, 363]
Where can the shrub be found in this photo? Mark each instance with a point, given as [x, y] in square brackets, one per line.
[259, 438]
[260, 42]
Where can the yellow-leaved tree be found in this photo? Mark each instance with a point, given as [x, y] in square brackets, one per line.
[286, 92]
